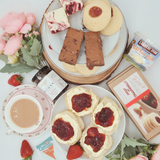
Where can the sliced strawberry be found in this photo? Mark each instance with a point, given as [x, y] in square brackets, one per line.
[26, 150]
[74, 151]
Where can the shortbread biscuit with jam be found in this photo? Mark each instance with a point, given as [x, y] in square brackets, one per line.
[96, 16]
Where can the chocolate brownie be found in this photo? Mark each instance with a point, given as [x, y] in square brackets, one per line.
[71, 46]
[93, 46]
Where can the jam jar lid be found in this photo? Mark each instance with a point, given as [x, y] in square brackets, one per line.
[40, 74]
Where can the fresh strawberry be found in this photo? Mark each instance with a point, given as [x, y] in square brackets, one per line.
[154, 103]
[26, 150]
[146, 97]
[74, 151]
[15, 80]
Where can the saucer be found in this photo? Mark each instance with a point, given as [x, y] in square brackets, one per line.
[46, 103]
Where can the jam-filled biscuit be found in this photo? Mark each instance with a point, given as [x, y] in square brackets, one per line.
[67, 127]
[96, 15]
[151, 121]
[107, 115]
[81, 101]
[115, 22]
[95, 142]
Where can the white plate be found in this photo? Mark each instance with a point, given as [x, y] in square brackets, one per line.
[76, 22]
[55, 41]
[100, 92]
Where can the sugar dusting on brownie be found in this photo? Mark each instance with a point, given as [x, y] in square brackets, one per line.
[57, 20]
[72, 6]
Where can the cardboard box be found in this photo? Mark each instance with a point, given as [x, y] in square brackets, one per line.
[139, 100]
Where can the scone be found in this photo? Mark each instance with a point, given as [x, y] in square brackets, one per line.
[115, 22]
[81, 101]
[67, 127]
[107, 115]
[94, 15]
[95, 142]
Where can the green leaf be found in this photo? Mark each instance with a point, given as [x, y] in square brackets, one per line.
[36, 48]
[132, 142]
[122, 147]
[129, 152]
[15, 64]
[19, 69]
[23, 42]
[146, 142]
[4, 58]
[28, 58]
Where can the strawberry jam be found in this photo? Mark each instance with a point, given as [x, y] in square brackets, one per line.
[63, 129]
[157, 119]
[105, 117]
[81, 102]
[95, 12]
[94, 139]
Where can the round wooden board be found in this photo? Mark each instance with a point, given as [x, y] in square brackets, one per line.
[77, 79]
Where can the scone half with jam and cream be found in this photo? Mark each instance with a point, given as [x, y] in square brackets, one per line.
[81, 101]
[95, 142]
[67, 127]
[107, 115]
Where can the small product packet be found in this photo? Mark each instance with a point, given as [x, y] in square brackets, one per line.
[49, 150]
[142, 52]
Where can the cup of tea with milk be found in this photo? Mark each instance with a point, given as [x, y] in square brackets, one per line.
[23, 114]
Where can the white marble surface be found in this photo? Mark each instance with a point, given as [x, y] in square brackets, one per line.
[140, 15]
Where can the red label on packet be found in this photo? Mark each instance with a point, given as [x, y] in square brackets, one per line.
[131, 89]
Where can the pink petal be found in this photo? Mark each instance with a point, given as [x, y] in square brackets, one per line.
[18, 23]
[11, 29]
[13, 44]
[22, 17]
[25, 28]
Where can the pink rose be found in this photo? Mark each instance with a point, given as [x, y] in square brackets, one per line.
[2, 45]
[12, 22]
[13, 44]
[31, 19]
[139, 157]
[25, 28]
[156, 155]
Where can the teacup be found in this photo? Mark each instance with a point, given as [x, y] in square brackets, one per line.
[23, 114]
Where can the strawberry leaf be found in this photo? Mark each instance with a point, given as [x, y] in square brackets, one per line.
[28, 158]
